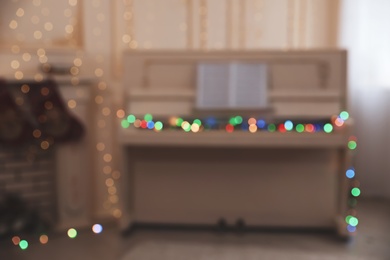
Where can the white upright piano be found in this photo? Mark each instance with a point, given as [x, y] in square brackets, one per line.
[282, 179]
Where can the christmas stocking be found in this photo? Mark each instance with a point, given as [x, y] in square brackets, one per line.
[14, 127]
[51, 113]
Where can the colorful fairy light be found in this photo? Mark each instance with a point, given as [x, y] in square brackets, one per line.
[344, 115]
[23, 244]
[288, 125]
[16, 240]
[350, 173]
[97, 228]
[43, 239]
[300, 128]
[328, 128]
[72, 233]
[352, 145]
[355, 192]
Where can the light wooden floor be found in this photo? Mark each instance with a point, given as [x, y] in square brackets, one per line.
[371, 243]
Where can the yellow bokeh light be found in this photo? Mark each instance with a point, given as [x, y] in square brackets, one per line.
[102, 85]
[74, 71]
[19, 75]
[15, 64]
[107, 169]
[37, 133]
[120, 113]
[106, 111]
[100, 147]
[20, 12]
[99, 99]
[195, 128]
[107, 157]
[25, 88]
[109, 182]
[77, 62]
[43, 59]
[38, 77]
[133, 44]
[41, 52]
[13, 24]
[117, 213]
[69, 29]
[48, 26]
[38, 35]
[99, 72]
[45, 145]
[112, 190]
[72, 103]
[26, 56]
[126, 38]
[253, 128]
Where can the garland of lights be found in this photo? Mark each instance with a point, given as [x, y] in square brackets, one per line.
[230, 124]
[44, 239]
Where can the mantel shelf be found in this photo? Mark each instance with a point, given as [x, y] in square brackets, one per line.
[237, 139]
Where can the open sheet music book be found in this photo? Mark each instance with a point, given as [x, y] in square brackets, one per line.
[231, 86]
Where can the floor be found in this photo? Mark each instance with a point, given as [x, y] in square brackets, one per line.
[372, 242]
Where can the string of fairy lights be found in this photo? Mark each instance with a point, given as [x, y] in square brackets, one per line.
[72, 233]
[233, 123]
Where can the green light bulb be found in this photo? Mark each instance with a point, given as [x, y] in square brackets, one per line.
[158, 126]
[72, 233]
[355, 192]
[23, 244]
[352, 145]
[148, 117]
[131, 119]
[328, 128]
[179, 121]
[344, 115]
[300, 128]
[238, 120]
[353, 221]
[271, 128]
[125, 123]
[198, 122]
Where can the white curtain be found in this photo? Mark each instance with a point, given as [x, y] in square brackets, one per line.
[365, 34]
